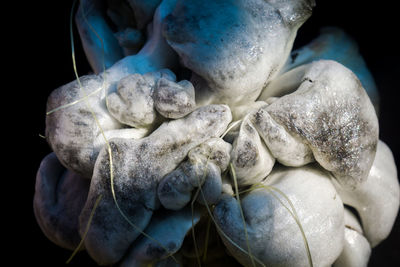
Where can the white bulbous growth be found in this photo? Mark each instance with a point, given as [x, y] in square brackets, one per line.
[377, 199]
[138, 167]
[71, 129]
[234, 47]
[356, 250]
[325, 106]
[185, 88]
[274, 236]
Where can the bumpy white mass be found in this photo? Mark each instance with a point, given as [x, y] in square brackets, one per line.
[330, 111]
[59, 198]
[138, 167]
[357, 249]
[377, 199]
[200, 119]
[274, 236]
[236, 47]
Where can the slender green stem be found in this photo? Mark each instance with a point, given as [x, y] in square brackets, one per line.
[241, 212]
[196, 249]
[207, 239]
[96, 204]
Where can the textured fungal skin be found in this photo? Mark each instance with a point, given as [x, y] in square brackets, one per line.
[335, 44]
[59, 198]
[71, 131]
[235, 46]
[92, 25]
[203, 169]
[288, 149]
[199, 118]
[357, 249]
[381, 189]
[251, 159]
[332, 113]
[174, 100]
[169, 230]
[273, 235]
[133, 104]
[136, 175]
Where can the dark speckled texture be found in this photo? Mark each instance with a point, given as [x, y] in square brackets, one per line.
[71, 131]
[372, 24]
[235, 46]
[332, 113]
[138, 167]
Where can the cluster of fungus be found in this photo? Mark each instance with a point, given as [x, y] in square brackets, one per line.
[202, 136]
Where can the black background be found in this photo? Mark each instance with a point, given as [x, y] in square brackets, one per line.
[40, 61]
